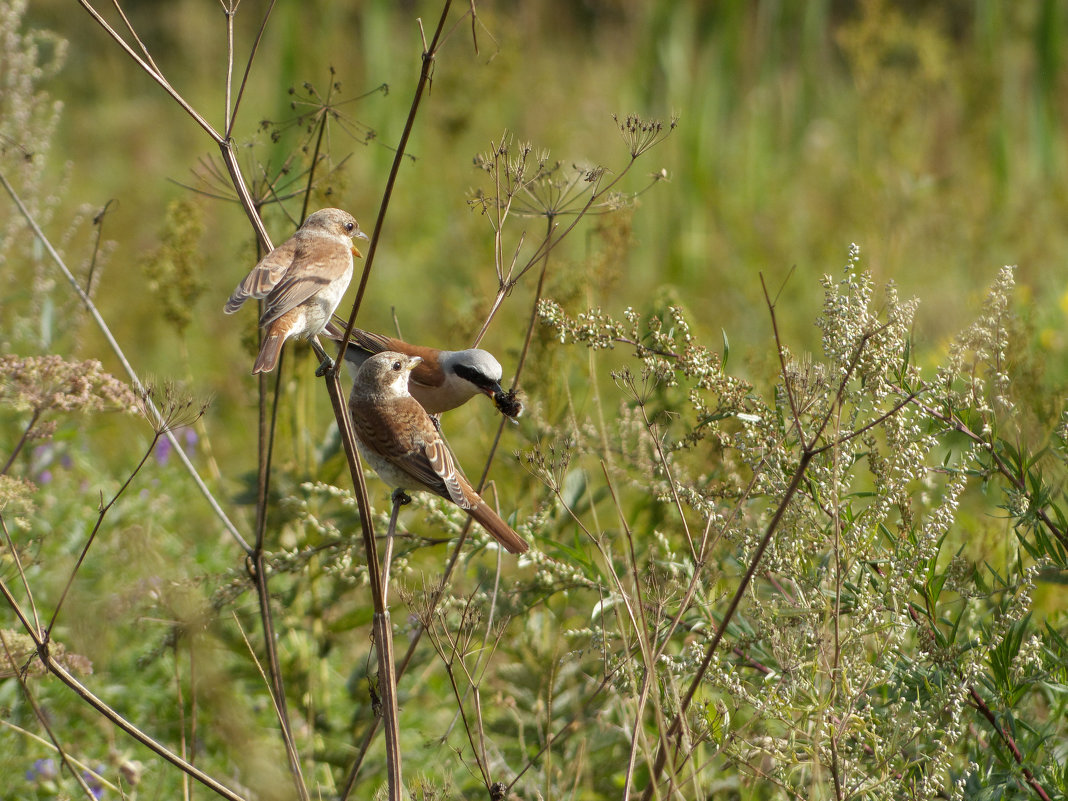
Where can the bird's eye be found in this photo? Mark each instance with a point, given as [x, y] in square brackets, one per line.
[350, 227]
[396, 365]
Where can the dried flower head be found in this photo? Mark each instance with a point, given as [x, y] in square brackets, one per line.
[640, 135]
[169, 406]
[51, 383]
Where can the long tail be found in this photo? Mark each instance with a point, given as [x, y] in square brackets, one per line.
[497, 528]
[267, 359]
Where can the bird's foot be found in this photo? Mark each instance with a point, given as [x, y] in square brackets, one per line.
[326, 366]
[401, 498]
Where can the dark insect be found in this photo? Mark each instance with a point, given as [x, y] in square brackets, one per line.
[508, 404]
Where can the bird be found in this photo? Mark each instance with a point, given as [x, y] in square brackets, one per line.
[302, 281]
[444, 380]
[396, 436]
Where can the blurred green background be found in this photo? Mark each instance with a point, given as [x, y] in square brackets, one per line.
[932, 134]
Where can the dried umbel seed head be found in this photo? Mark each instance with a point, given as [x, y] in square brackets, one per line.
[508, 404]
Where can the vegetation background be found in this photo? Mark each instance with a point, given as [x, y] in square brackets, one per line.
[932, 135]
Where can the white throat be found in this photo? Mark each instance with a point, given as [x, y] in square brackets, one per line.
[398, 386]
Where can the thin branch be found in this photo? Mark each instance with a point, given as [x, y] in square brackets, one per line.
[429, 54]
[248, 68]
[258, 569]
[117, 350]
[22, 574]
[100, 706]
[101, 514]
[229, 11]
[22, 441]
[808, 451]
[387, 672]
[387, 685]
[787, 385]
[150, 67]
[42, 718]
[133, 33]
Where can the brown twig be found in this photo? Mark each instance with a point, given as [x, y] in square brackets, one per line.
[117, 350]
[44, 653]
[808, 452]
[42, 718]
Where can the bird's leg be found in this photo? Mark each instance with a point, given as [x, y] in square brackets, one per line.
[400, 498]
[326, 364]
[436, 420]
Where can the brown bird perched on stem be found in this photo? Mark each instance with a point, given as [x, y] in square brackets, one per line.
[302, 281]
[399, 440]
[444, 380]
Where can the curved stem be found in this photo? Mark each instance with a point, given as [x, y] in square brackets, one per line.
[22, 442]
[117, 350]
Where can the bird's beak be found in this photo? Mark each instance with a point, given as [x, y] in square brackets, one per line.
[358, 235]
[493, 390]
[413, 362]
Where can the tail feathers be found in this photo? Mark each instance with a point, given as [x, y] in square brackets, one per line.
[235, 301]
[497, 528]
[267, 359]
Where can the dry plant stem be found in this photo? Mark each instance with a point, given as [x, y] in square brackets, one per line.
[387, 683]
[808, 452]
[984, 710]
[255, 556]
[455, 556]
[666, 467]
[387, 678]
[485, 470]
[148, 65]
[98, 224]
[314, 163]
[22, 441]
[508, 280]
[479, 667]
[29, 735]
[248, 68]
[22, 573]
[43, 719]
[388, 693]
[387, 557]
[258, 569]
[229, 157]
[266, 446]
[429, 54]
[83, 692]
[455, 656]
[183, 751]
[641, 634]
[101, 514]
[229, 11]
[87, 301]
[839, 581]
